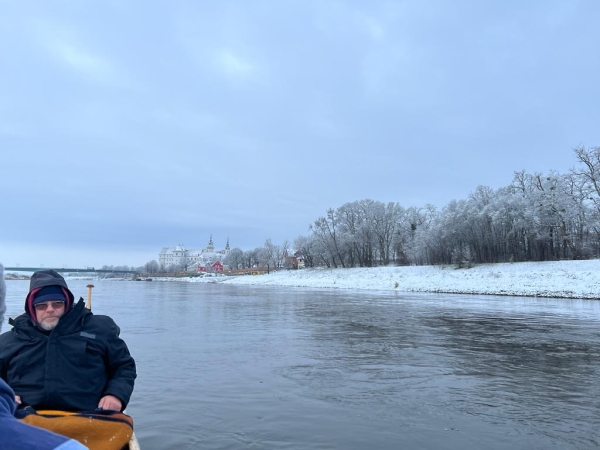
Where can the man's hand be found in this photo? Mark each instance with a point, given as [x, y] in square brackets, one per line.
[18, 399]
[110, 402]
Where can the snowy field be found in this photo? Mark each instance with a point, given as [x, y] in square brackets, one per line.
[561, 279]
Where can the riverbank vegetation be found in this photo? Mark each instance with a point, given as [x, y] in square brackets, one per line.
[537, 217]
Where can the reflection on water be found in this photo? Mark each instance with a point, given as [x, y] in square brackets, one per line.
[228, 367]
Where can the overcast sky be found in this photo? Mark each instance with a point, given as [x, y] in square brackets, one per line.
[126, 126]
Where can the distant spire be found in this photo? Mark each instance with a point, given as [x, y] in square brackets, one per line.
[210, 247]
[227, 246]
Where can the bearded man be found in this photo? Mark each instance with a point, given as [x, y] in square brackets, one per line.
[60, 356]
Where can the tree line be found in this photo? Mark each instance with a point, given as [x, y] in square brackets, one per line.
[535, 218]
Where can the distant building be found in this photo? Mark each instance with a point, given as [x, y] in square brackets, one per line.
[214, 267]
[294, 261]
[193, 259]
[173, 256]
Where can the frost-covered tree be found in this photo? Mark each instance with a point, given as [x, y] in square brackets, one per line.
[235, 258]
[253, 258]
[410, 240]
[386, 218]
[325, 230]
[355, 233]
[536, 217]
[271, 255]
[151, 267]
[305, 247]
[590, 171]
[589, 175]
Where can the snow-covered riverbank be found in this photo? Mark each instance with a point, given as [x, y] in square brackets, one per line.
[564, 279]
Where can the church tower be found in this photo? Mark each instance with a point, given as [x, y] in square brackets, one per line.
[211, 247]
[227, 249]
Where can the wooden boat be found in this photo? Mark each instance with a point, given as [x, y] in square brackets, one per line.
[134, 444]
[97, 430]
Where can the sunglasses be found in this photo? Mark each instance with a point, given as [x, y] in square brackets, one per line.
[44, 305]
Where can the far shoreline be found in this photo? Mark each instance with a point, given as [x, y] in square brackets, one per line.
[578, 279]
[551, 279]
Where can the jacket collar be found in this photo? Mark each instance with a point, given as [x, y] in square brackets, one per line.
[25, 323]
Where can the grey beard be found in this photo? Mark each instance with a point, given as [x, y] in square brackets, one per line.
[48, 327]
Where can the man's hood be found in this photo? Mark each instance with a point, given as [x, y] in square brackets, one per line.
[42, 279]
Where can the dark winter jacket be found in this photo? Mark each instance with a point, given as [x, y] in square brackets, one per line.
[70, 368]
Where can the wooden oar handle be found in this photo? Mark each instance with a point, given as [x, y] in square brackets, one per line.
[88, 304]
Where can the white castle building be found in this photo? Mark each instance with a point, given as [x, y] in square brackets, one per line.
[192, 260]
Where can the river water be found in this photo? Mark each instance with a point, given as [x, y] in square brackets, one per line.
[234, 367]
